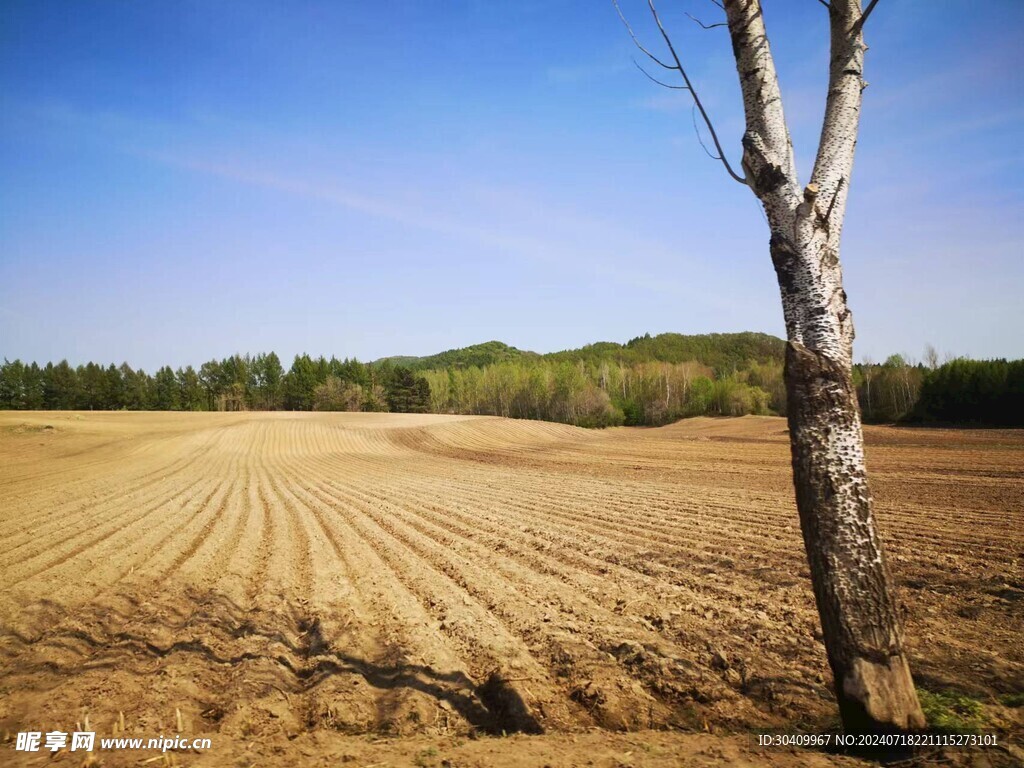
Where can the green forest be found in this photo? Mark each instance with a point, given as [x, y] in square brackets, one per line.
[648, 381]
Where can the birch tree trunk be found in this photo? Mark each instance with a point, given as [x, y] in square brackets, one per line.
[863, 636]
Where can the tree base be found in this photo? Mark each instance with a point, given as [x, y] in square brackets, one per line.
[879, 697]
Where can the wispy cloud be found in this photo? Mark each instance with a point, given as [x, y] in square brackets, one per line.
[576, 243]
[496, 221]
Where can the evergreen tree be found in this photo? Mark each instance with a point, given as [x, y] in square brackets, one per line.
[166, 395]
[406, 393]
[211, 380]
[266, 375]
[32, 387]
[190, 390]
[299, 383]
[136, 388]
[12, 385]
[115, 387]
[60, 386]
[93, 393]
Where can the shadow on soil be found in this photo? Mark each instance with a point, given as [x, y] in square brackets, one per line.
[287, 649]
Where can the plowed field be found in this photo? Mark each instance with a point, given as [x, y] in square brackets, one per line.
[295, 585]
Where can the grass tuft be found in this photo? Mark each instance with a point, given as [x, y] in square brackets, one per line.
[1012, 700]
[952, 711]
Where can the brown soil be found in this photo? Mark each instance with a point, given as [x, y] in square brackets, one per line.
[310, 589]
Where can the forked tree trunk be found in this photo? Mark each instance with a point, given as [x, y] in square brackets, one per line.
[863, 636]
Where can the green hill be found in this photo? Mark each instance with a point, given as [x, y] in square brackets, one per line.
[724, 352]
[478, 355]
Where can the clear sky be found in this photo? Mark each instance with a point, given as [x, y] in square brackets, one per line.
[185, 180]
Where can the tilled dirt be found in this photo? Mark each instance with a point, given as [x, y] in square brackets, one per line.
[305, 589]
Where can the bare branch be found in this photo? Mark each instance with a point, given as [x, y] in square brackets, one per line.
[696, 98]
[838, 141]
[867, 12]
[719, 4]
[653, 79]
[706, 26]
[859, 25]
[825, 4]
[693, 114]
[636, 41]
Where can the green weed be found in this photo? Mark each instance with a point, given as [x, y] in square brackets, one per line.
[952, 711]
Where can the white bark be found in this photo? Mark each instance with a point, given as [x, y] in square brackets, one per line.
[862, 631]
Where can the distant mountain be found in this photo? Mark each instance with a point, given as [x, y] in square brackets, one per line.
[724, 352]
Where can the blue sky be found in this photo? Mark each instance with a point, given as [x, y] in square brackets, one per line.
[186, 180]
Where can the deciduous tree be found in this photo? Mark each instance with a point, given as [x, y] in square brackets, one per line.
[862, 631]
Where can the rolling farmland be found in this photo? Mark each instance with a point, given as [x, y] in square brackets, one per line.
[266, 578]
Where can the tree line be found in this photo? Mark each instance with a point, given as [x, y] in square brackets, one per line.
[589, 394]
[648, 381]
[973, 391]
[601, 394]
[236, 383]
[959, 391]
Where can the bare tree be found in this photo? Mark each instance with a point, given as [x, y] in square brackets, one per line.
[861, 627]
[868, 366]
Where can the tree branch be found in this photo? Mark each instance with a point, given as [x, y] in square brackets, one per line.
[706, 26]
[768, 161]
[653, 79]
[837, 145]
[696, 98]
[864, 17]
[693, 114]
[636, 41]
